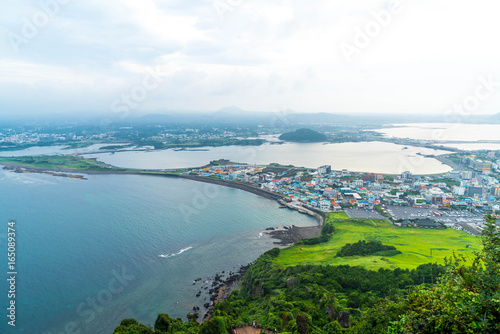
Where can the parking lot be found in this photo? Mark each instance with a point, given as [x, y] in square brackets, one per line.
[363, 214]
[448, 217]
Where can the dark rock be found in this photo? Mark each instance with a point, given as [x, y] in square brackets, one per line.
[344, 319]
[331, 311]
[292, 282]
[302, 321]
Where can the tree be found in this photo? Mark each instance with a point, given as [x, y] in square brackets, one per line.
[466, 300]
[132, 326]
[163, 323]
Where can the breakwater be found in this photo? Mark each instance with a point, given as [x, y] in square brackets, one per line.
[319, 215]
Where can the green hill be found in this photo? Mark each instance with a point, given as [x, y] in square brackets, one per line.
[303, 136]
[305, 288]
[417, 246]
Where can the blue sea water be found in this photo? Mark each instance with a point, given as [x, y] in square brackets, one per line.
[92, 252]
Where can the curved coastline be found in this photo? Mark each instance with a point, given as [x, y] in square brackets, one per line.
[285, 236]
[319, 215]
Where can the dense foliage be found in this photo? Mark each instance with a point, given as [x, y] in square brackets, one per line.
[462, 297]
[303, 135]
[312, 299]
[367, 248]
[466, 300]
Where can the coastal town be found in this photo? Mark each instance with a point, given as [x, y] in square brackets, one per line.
[458, 199]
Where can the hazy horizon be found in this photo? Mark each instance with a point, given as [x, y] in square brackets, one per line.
[389, 57]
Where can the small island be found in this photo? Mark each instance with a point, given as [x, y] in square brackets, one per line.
[303, 136]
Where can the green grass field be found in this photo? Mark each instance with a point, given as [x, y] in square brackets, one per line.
[57, 162]
[414, 243]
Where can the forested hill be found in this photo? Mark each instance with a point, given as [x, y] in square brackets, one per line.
[461, 296]
[303, 136]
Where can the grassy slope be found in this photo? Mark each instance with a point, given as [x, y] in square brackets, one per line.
[415, 245]
[56, 162]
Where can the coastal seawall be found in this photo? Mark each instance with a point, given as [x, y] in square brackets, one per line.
[319, 215]
[246, 187]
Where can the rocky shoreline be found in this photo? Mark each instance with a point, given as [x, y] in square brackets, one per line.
[291, 234]
[215, 289]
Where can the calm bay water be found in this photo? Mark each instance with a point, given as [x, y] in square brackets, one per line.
[445, 131]
[376, 157]
[92, 252]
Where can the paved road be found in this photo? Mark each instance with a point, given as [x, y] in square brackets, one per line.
[363, 214]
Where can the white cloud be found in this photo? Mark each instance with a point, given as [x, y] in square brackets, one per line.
[259, 56]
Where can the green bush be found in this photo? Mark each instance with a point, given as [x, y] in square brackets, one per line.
[363, 248]
[328, 228]
[273, 252]
[163, 323]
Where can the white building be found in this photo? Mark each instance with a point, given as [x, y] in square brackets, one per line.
[358, 183]
[325, 205]
[459, 191]
[326, 169]
[467, 174]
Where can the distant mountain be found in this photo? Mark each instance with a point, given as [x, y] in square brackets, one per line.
[282, 116]
[156, 118]
[234, 113]
[321, 117]
[231, 110]
[495, 118]
[303, 136]
[293, 119]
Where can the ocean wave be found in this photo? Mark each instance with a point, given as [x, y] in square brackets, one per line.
[174, 254]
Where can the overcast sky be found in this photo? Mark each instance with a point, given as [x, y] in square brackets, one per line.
[420, 56]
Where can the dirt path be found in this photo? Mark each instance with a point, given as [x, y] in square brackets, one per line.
[250, 330]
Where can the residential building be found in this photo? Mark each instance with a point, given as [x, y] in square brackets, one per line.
[324, 170]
